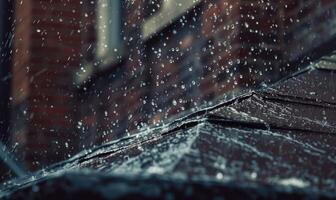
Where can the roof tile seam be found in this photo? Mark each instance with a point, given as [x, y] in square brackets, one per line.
[182, 126]
[297, 100]
[268, 126]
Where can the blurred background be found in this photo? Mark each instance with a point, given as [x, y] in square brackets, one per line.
[76, 74]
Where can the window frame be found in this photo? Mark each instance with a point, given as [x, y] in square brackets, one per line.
[170, 11]
[109, 44]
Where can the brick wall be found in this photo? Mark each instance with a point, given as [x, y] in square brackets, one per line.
[219, 46]
[231, 45]
[47, 44]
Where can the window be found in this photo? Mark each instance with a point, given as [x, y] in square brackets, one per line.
[152, 7]
[109, 34]
[170, 10]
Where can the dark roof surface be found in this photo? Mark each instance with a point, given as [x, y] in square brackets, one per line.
[281, 136]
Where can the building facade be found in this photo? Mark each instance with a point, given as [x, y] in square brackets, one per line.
[88, 72]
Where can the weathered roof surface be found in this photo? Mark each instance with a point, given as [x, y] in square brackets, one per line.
[282, 136]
